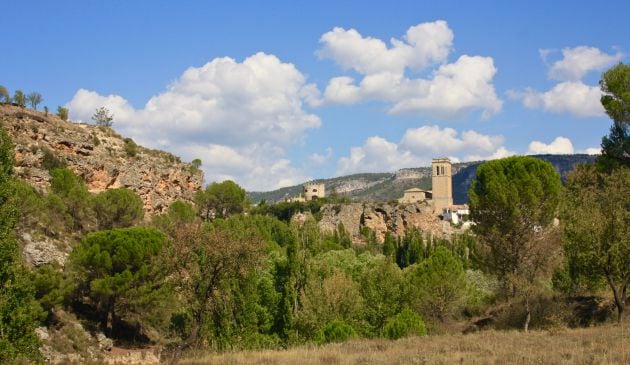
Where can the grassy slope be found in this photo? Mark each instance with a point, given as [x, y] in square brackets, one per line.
[609, 344]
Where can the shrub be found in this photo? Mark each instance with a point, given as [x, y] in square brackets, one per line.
[118, 208]
[51, 162]
[336, 331]
[131, 148]
[62, 113]
[406, 323]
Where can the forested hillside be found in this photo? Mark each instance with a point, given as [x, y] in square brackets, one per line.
[98, 275]
[383, 187]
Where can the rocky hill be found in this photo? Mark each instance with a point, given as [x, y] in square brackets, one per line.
[382, 187]
[103, 158]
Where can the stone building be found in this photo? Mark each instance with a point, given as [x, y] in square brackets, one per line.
[314, 191]
[414, 195]
[442, 184]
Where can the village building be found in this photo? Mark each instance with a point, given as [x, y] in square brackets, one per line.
[314, 191]
[456, 213]
[414, 195]
[442, 184]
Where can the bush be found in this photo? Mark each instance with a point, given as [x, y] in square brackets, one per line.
[62, 113]
[118, 208]
[336, 331]
[406, 323]
[131, 148]
[51, 162]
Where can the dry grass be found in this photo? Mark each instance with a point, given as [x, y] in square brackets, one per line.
[596, 345]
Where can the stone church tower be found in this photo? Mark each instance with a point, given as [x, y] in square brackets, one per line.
[442, 184]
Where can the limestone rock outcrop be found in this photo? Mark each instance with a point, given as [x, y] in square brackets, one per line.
[99, 155]
[382, 218]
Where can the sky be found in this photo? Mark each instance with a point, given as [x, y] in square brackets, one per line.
[276, 93]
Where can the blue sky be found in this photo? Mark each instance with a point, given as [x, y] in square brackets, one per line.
[274, 93]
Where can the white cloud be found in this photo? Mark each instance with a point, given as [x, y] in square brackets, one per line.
[452, 90]
[577, 62]
[560, 146]
[418, 146]
[571, 95]
[422, 45]
[321, 159]
[593, 151]
[376, 155]
[237, 117]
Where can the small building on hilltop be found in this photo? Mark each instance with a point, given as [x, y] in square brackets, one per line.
[314, 191]
[415, 195]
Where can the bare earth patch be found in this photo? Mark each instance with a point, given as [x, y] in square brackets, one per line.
[597, 345]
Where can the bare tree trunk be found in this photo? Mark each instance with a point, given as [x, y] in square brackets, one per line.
[620, 298]
[528, 316]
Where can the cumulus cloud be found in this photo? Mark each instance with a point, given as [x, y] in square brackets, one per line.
[559, 146]
[577, 62]
[452, 90]
[418, 146]
[571, 95]
[238, 117]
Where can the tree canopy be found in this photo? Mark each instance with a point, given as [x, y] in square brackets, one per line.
[511, 201]
[220, 200]
[615, 85]
[114, 271]
[118, 208]
[596, 217]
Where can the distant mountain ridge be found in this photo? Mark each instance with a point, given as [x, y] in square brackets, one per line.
[390, 186]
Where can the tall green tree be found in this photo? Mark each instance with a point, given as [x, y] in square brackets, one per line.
[513, 201]
[74, 194]
[118, 208]
[19, 98]
[34, 99]
[596, 222]
[615, 85]
[19, 312]
[219, 200]
[116, 275]
[62, 113]
[438, 284]
[4, 94]
[207, 262]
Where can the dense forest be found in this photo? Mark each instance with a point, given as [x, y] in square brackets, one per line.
[222, 275]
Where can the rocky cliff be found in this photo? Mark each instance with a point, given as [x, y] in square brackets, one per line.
[382, 218]
[103, 158]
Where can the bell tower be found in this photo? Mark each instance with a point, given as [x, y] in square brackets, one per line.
[442, 184]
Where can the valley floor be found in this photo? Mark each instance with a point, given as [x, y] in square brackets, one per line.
[608, 344]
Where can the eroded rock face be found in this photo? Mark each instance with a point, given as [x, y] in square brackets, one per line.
[381, 218]
[99, 156]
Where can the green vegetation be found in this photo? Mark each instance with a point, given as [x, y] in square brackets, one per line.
[118, 208]
[34, 99]
[19, 312]
[597, 228]
[62, 113]
[4, 94]
[115, 274]
[221, 275]
[19, 98]
[220, 200]
[102, 117]
[131, 148]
